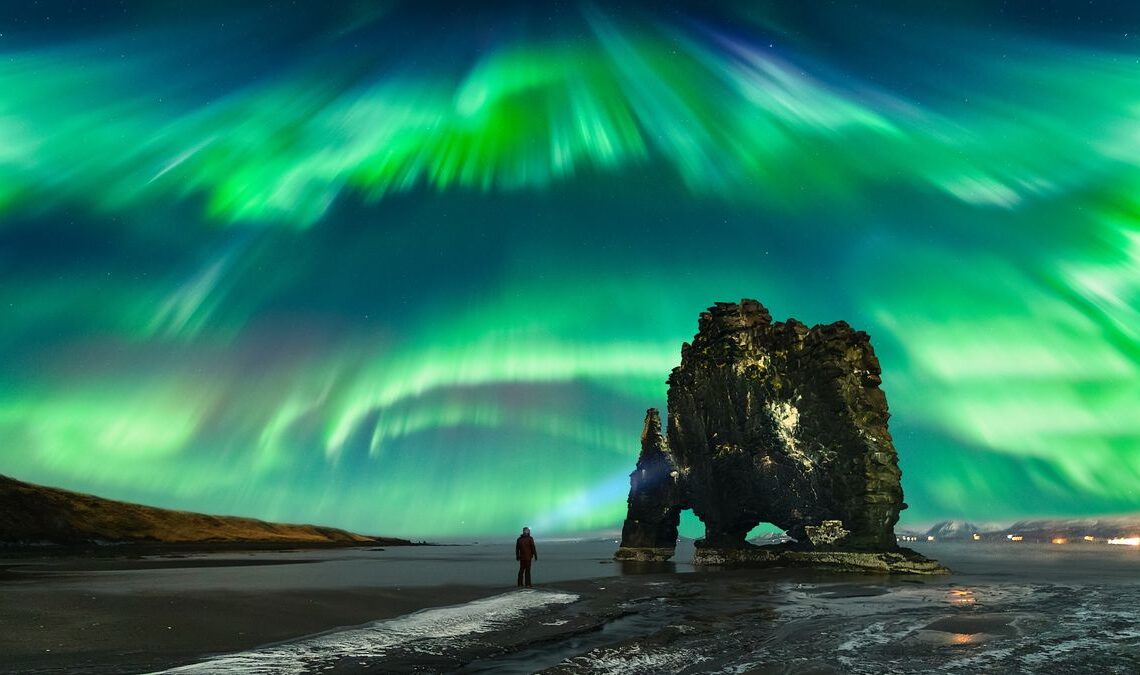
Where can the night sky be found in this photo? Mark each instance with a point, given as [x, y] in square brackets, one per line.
[415, 269]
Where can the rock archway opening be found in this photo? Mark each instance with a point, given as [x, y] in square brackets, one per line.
[766, 532]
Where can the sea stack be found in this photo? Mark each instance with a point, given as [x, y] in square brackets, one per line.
[772, 422]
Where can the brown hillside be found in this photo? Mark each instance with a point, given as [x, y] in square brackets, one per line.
[32, 514]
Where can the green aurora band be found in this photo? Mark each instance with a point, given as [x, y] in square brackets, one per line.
[318, 270]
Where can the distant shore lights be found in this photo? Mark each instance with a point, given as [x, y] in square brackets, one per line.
[1126, 541]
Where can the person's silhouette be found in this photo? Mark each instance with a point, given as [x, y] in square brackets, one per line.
[525, 552]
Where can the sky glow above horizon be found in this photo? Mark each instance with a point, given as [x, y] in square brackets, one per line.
[419, 270]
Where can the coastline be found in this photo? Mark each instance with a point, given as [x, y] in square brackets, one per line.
[140, 608]
[447, 608]
[48, 628]
[116, 613]
[132, 608]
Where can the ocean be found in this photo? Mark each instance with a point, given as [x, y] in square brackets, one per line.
[1008, 608]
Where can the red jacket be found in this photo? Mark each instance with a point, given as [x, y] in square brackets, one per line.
[524, 548]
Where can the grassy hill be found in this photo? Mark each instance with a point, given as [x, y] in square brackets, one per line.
[34, 514]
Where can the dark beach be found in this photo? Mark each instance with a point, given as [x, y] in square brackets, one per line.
[104, 615]
[355, 611]
[131, 609]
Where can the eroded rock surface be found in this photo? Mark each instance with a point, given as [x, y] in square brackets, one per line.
[655, 499]
[768, 422]
[827, 533]
[898, 561]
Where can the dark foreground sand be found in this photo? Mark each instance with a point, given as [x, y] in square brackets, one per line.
[1005, 609]
[48, 628]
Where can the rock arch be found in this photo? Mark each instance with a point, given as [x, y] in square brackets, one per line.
[768, 422]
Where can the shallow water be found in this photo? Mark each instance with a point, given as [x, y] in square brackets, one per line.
[1008, 608]
[490, 565]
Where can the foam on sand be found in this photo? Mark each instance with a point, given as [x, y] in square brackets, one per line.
[430, 631]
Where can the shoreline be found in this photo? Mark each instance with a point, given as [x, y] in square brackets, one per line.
[47, 629]
[101, 615]
[131, 610]
[135, 609]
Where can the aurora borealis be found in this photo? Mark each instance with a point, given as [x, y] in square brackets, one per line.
[419, 269]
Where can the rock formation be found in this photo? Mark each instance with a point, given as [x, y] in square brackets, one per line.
[827, 533]
[655, 497]
[769, 422]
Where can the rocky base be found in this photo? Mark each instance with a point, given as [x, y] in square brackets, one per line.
[644, 554]
[899, 561]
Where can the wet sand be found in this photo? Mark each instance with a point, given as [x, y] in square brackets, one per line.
[356, 611]
[135, 609]
[49, 623]
[111, 614]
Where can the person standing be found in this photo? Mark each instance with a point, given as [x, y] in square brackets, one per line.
[525, 552]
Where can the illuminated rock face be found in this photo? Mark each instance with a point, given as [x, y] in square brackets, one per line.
[768, 422]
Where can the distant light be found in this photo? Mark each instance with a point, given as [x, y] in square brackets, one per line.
[930, 537]
[1060, 540]
[1126, 541]
[977, 537]
[1089, 537]
[1015, 537]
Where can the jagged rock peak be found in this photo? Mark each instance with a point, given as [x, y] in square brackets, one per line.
[731, 316]
[653, 443]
